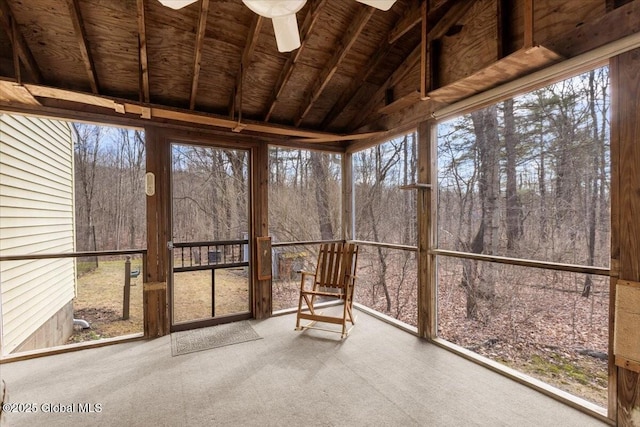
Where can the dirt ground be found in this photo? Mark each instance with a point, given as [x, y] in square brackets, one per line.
[100, 293]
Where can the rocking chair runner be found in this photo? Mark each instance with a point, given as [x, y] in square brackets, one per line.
[334, 279]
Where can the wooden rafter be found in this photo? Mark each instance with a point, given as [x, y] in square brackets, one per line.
[142, 53]
[16, 54]
[409, 62]
[197, 61]
[410, 19]
[454, 14]
[249, 47]
[425, 80]
[350, 37]
[528, 24]
[81, 35]
[310, 21]
[356, 85]
[18, 42]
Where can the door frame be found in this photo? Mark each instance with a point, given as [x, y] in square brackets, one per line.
[213, 142]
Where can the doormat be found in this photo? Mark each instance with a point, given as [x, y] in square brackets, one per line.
[212, 337]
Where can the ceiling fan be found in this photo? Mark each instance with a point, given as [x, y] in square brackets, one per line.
[283, 16]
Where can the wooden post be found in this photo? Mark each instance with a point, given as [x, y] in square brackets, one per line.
[624, 384]
[427, 312]
[347, 197]
[126, 294]
[155, 306]
[261, 289]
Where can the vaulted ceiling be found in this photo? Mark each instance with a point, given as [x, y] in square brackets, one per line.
[214, 56]
[215, 64]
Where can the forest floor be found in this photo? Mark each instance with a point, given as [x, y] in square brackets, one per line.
[537, 322]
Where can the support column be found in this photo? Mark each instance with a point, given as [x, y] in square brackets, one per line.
[624, 384]
[347, 197]
[426, 214]
[262, 289]
[155, 301]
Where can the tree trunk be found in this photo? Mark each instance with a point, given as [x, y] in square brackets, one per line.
[321, 173]
[514, 210]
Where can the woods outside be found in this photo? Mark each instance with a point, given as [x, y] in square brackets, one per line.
[526, 178]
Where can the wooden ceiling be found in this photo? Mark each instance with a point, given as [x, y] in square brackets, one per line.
[215, 64]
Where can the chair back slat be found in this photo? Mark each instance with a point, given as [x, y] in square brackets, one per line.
[336, 263]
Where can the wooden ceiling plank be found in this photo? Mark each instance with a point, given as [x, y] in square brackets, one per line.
[142, 54]
[350, 37]
[197, 57]
[8, 22]
[249, 47]
[310, 20]
[409, 62]
[81, 35]
[355, 86]
[454, 14]
[457, 11]
[411, 18]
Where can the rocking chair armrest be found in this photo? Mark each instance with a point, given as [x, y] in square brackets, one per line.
[305, 274]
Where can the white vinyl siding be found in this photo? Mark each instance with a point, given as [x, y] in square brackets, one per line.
[36, 217]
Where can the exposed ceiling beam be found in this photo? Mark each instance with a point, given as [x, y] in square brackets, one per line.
[351, 35]
[197, 61]
[18, 42]
[410, 19]
[453, 15]
[357, 84]
[425, 66]
[249, 47]
[409, 63]
[413, 17]
[310, 21]
[81, 35]
[142, 54]
[164, 114]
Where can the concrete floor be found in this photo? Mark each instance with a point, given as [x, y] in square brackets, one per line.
[379, 376]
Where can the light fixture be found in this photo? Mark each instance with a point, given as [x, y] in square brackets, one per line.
[176, 4]
[379, 4]
[283, 16]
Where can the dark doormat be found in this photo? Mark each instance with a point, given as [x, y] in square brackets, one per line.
[214, 336]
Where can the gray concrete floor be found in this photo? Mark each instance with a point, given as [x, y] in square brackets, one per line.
[378, 376]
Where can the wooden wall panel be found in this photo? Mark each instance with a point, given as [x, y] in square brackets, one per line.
[625, 205]
[553, 18]
[475, 45]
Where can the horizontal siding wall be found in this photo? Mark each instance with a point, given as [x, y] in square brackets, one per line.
[36, 217]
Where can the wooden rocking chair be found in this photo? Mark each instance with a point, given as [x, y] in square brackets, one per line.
[334, 279]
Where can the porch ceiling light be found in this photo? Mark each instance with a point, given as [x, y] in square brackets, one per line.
[379, 4]
[283, 16]
[176, 4]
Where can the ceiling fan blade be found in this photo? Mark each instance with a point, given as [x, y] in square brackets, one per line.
[286, 31]
[379, 4]
[176, 4]
[283, 16]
